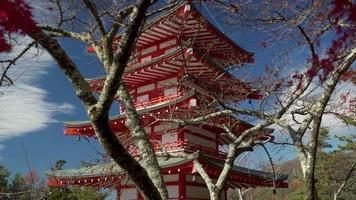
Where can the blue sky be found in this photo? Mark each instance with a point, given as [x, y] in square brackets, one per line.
[44, 101]
[32, 111]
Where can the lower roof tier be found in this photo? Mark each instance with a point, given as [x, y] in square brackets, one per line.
[183, 107]
[110, 174]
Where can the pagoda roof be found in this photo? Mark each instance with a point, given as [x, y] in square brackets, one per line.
[138, 73]
[185, 16]
[105, 169]
[205, 70]
[108, 173]
[143, 110]
[178, 105]
[185, 21]
[117, 122]
[202, 64]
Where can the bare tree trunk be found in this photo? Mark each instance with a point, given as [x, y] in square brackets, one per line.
[147, 153]
[308, 155]
[240, 193]
[214, 195]
[310, 181]
[147, 177]
[100, 123]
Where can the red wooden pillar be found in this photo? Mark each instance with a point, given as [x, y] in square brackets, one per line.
[180, 134]
[181, 186]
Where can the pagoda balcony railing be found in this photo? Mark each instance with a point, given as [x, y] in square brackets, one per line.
[155, 99]
[181, 146]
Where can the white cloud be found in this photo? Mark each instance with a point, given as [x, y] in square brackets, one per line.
[24, 107]
[334, 124]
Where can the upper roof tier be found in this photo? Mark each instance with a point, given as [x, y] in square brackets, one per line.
[185, 23]
[180, 41]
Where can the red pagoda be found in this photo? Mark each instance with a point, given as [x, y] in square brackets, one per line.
[178, 71]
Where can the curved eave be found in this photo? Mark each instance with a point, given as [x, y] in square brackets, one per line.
[245, 177]
[240, 126]
[178, 12]
[79, 128]
[249, 55]
[106, 175]
[179, 9]
[99, 81]
[105, 169]
[109, 173]
[214, 70]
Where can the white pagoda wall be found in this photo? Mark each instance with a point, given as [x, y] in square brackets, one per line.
[129, 191]
[195, 188]
[142, 93]
[196, 192]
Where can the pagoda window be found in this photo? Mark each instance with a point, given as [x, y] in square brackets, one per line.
[192, 102]
[173, 191]
[142, 98]
[169, 138]
[170, 91]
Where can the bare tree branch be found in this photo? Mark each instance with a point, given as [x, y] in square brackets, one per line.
[13, 62]
[93, 10]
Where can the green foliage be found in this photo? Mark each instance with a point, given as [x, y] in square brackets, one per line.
[333, 168]
[59, 164]
[18, 184]
[349, 142]
[296, 195]
[22, 187]
[323, 139]
[331, 171]
[4, 176]
[14, 188]
[74, 193]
